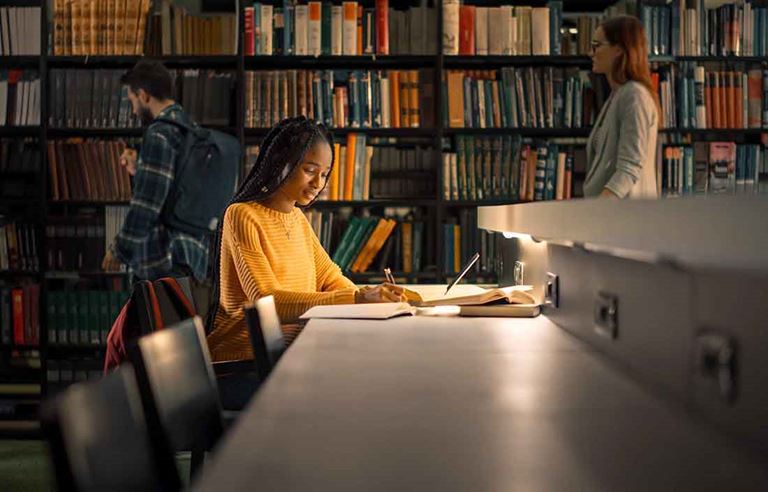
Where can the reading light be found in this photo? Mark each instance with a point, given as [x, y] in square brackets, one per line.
[512, 235]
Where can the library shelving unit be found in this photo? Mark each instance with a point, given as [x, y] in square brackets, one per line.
[434, 209]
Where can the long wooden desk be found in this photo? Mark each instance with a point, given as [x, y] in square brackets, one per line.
[464, 404]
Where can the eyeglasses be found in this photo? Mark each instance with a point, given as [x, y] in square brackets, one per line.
[597, 44]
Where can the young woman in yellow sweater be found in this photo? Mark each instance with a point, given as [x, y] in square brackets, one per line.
[269, 248]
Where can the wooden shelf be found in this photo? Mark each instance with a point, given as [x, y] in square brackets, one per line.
[116, 132]
[16, 61]
[462, 61]
[525, 132]
[261, 62]
[371, 132]
[19, 131]
[707, 58]
[120, 61]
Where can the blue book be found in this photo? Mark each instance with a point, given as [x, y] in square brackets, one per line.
[765, 96]
[288, 29]
[688, 157]
[550, 179]
[555, 19]
[664, 30]
[376, 98]
[354, 100]
[473, 110]
[468, 103]
[675, 31]
[541, 172]
[488, 89]
[655, 28]
[328, 86]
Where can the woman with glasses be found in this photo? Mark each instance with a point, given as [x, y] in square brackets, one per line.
[621, 150]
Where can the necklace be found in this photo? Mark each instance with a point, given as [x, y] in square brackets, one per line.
[286, 225]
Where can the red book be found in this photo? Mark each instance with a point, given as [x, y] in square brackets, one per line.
[17, 302]
[382, 27]
[249, 44]
[467, 30]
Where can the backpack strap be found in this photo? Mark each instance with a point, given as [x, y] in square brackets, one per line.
[178, 295]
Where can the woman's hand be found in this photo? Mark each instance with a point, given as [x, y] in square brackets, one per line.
[381, 293]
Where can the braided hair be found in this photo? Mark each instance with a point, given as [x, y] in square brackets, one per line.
[282, 150]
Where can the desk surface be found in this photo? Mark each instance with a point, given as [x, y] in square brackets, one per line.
[464, 404]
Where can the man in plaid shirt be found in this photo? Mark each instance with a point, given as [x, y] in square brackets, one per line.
[150, 248]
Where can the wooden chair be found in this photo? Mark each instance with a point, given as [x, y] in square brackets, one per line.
[99, 439]
[178, 388]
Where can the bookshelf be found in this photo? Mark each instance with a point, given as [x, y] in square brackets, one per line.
[434, 210]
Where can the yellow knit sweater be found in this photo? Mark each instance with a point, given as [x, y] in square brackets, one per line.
[263, 252]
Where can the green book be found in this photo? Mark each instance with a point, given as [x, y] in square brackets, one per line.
[325, 29]
[362, 233]
[83, 313]
[73, 318]
[94, 322]
[341, 249]
[105, 322]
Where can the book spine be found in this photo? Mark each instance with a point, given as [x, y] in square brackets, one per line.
[382, 27]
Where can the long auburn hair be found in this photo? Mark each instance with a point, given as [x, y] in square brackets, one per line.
[627, 32]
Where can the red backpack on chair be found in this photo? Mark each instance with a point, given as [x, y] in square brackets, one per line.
[153, 305]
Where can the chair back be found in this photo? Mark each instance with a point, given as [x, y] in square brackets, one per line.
[266, 336]
[178, 386]
[99, 439]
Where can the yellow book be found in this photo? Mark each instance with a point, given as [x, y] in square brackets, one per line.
[141, 29]
[349, 168]
[457, 248]
[334, 177]
[59, 38]
[77, 39]
[378, 244]
[367, 172]
[413, 98]
[119, 37]
[109, 30]
[86, 28]
[394, 97]
[455, 85]
[363, 253]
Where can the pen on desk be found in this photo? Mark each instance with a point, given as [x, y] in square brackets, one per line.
[389, 277]
[463, 271]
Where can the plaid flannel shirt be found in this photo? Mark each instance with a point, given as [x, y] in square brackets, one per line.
[145, 244]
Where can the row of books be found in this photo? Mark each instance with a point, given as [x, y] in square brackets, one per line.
[713, 168]
[78, 242]
[20, 314]
[503, 30]
[19, 31]
[364, 171]
[698, 96]
[82, 317]
[322, 28]
[341, 98]
[96, 99]
[18, 246]
[19, 97]
[507, 167]
[462, 239]
[371, 243]
[89, 99]
[19, 155]
[689, 28]
[174, 30]
[104, 27]
[60, 373]
[87, 170]
[525, 97]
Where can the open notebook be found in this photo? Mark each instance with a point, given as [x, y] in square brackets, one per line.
[384, 310]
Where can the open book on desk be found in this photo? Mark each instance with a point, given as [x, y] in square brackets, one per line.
[515, 294]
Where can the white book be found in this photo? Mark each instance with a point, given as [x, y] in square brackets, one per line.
[301, 29]
[349, 28]
[383, 310]
[540, 31]
[5, 30]
[3, 100]
[495, 32]
[507, 25]
[386, 118]
[336, 30]
[446, 176]
[21, 89]
[314, 35]
[165, 28]
[451, 27]
[481, 31]
[266, 30]
[701, 109]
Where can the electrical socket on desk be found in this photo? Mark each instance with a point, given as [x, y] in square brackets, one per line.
[519, 273]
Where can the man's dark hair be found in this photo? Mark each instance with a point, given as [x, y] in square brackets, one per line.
[281, 151]
[151, 76]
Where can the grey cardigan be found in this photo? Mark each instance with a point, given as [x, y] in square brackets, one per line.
[621, 150]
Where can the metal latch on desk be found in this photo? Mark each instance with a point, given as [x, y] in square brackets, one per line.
[716, 358]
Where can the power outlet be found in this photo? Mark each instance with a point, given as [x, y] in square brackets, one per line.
[519, 273]
[552, 290]
[606, 313]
